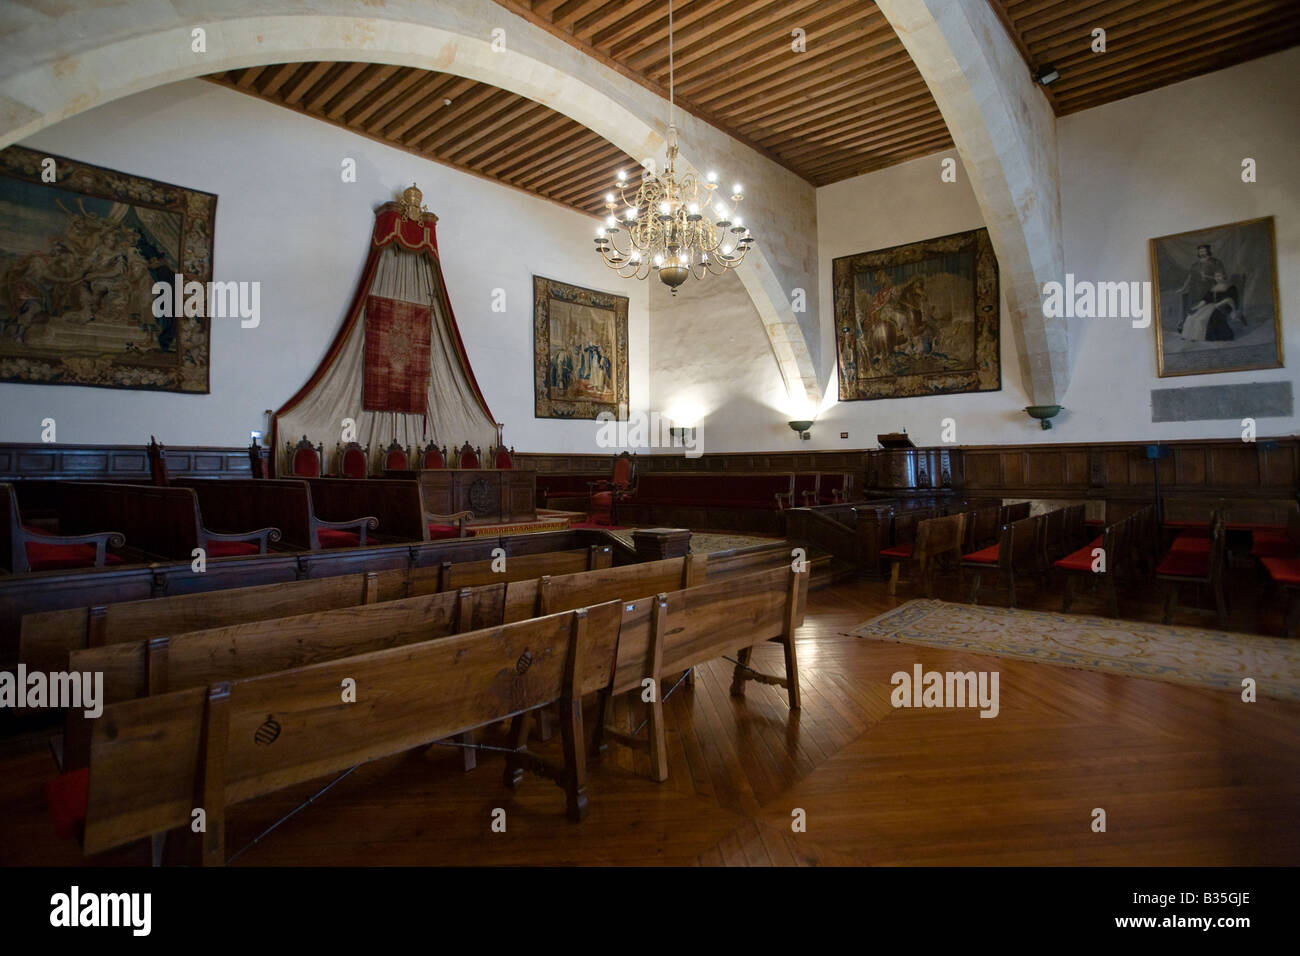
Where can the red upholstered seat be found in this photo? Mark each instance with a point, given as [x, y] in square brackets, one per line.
[898, 551]
[66, 798]
[1185, 564]
[439, 531]
[230, 549]
[1191, 543]
[1082, 559]
[333, 538]
[1283, 570]
[987, 555]
[1273, 544]
[62, 557]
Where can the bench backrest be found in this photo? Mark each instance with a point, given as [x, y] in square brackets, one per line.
[47, 637]
[161, 521]
[398, 504]
[243, 504]
[156, 758]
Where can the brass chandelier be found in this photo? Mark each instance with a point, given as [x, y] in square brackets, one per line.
[673, 226]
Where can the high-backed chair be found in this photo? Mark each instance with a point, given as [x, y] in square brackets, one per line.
[1016, 555]
[504, 458]
[305, 459]
[1016, 512]
[1197, 568]
[354, 462]
[157, 462]
[468, 457]
[936, 539]
[26, 549]
[431, 457]
[603, 495]
[396, 458]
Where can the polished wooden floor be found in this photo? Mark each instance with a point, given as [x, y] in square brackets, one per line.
[1186, 776]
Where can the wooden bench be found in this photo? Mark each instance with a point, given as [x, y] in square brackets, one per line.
[156, 759]
[24, 549]
[398, 503]
[163, 522]
[48, 637]
[230, 504]
[152, 760]
[676, 631]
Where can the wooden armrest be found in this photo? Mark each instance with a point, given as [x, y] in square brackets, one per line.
[361, 524]
[101, 540]
[458, 516]
[263, 536]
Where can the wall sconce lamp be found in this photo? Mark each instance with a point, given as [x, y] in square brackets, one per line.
[802, 428]
[682, 432]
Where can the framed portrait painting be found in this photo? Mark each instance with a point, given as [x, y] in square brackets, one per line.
[1216, 301]
[79, 255]
[579, 351]
[919, 319]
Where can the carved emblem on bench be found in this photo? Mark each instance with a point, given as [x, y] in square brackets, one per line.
[481, 499]
[525, 661]
[267, 733]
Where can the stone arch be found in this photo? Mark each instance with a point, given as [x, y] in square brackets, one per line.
[77, 60]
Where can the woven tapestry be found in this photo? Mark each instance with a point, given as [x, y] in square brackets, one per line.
[579, 351]
[80, 251]
[397, 356]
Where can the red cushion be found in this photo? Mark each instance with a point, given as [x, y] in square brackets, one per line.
[61, 557]
[66, 796]
[334, 538]
[230, 549]
[898, 551]
[438, 531]
[1185, 564]
[987, 555]
[1283, 570]
[1273, 544]
[1191, 543]
[1082, 559]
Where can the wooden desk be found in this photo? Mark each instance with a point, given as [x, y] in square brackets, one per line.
[492, 494]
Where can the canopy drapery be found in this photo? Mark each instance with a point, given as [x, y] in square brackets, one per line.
[397, 367]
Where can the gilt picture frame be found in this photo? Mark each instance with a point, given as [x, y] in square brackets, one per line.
[1215, 299]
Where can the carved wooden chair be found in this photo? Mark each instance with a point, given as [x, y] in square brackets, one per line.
[1017, 554]
[29, 549]
[1112, 543]
[1197, 568]
[431, 457]
[396, 457]
[504, 458]
[448, 526]
[937, 540]
[305, 459]
[354, 461]
[157, 462]
[467, 457]
[602, 496]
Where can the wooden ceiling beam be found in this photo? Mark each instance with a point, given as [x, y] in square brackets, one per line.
[374, 76]
[463, 106]
[810, 91]
[406, 116]
[304, 80]
[276, 78]
[456, 137]
[531, 126]
[332, 85]
[793, 122]
[359, 115]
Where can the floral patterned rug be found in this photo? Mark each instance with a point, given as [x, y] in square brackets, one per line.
[1182, 655]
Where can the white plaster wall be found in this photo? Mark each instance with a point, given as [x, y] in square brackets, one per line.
[286, 219]
[1159, 163]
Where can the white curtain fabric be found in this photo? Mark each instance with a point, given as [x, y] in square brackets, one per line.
[453, 414]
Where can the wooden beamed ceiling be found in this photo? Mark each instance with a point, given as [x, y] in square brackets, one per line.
[471, 126]
[851, 102]
[1149, 43]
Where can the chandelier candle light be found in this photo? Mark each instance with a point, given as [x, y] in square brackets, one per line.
[674, 226]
